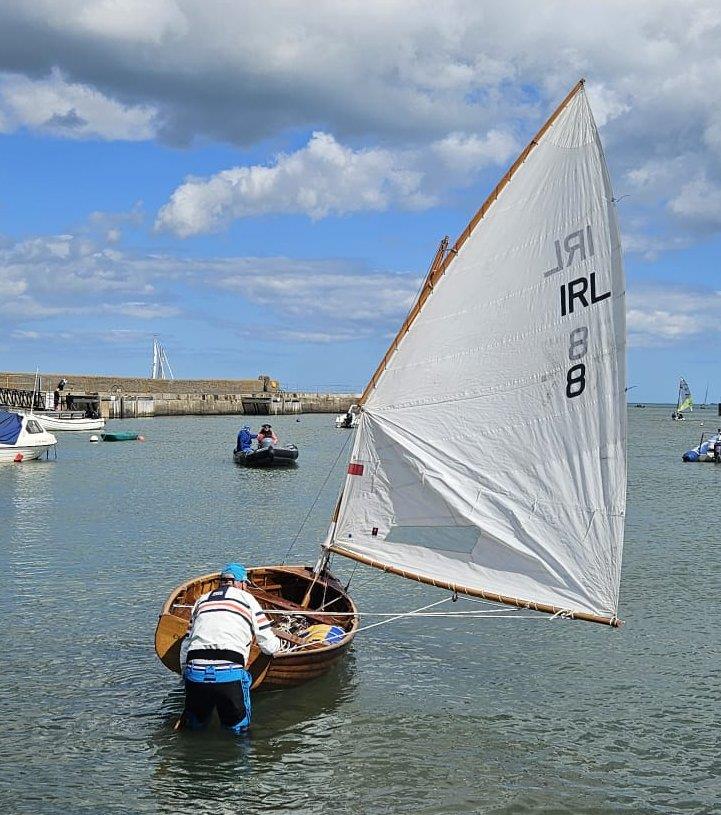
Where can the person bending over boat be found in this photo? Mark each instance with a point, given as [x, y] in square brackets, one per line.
[245, 440]
[267, 437]
[215, 652]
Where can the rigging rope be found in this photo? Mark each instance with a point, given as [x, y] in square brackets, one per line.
[315, 500]
[391, 617]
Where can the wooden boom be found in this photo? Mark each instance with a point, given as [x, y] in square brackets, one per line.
[614, 622]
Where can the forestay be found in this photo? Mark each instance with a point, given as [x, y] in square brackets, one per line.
[490, 456]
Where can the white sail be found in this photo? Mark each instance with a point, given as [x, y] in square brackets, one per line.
[685, 400]
[490, 456]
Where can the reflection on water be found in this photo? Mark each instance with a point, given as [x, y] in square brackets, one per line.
[288, 726]
[424, 716]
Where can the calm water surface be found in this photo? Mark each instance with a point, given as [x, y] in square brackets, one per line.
[424, 716]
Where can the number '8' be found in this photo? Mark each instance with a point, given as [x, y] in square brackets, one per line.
[576, 376]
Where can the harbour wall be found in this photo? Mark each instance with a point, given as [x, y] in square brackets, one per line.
[133, 397]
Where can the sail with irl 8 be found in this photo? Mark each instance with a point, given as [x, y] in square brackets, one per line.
[490, 457]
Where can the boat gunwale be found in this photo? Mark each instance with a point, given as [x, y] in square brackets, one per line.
[299, 571]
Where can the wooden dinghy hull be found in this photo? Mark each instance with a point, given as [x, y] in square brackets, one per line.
[278, 589]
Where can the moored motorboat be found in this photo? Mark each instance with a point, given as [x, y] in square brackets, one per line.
[119, 435]
[68, 420]
[267, 456]
[22, 438]
[302, 607]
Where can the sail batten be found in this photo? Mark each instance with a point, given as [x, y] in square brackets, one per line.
[490, 452]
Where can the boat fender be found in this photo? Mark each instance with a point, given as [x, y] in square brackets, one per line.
[18, 458]
[690, 455]
[324, 634]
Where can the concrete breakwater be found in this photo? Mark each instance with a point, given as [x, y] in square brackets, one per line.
[131, 397]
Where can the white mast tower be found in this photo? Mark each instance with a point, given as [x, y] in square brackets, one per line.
[160, 369]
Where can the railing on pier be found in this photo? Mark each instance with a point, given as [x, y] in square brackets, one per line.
[17, 398]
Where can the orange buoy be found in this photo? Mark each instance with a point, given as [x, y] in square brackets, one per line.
[18, 458]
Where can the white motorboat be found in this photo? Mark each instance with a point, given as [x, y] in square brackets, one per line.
[67, 420]
[23, 438]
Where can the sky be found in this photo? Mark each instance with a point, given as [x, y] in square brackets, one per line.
[263, 185]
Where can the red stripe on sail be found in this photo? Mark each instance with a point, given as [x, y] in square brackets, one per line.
[355, 469]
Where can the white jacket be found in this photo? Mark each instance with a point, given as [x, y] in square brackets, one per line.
[228, 618]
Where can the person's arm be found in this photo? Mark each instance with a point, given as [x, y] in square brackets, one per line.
[273, 437]
[267, 641]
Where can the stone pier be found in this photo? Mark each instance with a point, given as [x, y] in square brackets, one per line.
[131, 397]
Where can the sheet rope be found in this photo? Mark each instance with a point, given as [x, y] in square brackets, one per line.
[394, 616]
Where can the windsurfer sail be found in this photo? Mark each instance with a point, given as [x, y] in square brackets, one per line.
[685, 401]
[518, 334]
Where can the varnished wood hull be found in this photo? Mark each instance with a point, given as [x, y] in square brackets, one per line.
[277, 588]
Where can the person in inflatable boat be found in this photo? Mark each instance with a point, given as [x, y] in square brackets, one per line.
[213, 656]
[245, 440]
[267, 437]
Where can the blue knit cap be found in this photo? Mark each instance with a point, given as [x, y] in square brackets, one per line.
[236, 571]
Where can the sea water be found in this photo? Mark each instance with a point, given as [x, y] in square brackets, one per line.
[424, 715]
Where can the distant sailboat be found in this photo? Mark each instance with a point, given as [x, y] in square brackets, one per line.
[518, 335]
[684, 401]
[160, 369]
[705, 399]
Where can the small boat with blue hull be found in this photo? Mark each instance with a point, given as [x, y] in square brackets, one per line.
[707, 450]
[267, 456]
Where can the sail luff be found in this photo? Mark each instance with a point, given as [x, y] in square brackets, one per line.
[493, 597]
[438, 270]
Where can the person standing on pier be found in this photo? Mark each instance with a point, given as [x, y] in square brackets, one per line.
[223, 624]
[61, 396]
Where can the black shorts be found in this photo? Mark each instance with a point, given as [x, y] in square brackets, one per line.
[201, 698]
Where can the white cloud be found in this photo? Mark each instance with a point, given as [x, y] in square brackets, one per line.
[69, 110]
[72, 275]
[404, 75]
[318, 290]
[607, 103]
[660, 315]
[699, 200]
[143, 311]
[327, 178]
[133, 21]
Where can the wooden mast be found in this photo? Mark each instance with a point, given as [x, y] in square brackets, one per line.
[441, 263]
